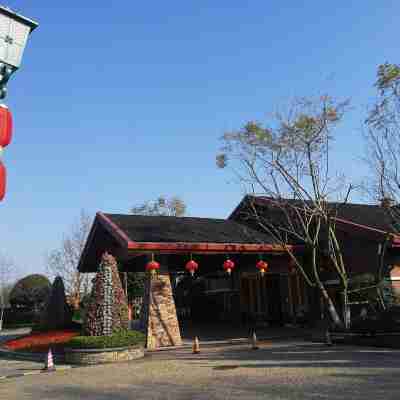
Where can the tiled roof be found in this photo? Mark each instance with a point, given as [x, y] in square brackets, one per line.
[141, 228]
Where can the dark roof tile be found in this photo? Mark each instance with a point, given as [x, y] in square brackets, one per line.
[141, 228]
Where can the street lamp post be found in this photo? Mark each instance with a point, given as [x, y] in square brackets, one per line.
[14, 32]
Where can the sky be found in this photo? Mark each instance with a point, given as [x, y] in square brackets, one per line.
[119, 102]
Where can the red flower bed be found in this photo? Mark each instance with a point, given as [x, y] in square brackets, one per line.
[41, 341]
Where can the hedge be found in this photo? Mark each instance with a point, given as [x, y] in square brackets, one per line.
[123, 338]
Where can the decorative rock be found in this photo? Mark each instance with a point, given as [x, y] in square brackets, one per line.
[158, 318]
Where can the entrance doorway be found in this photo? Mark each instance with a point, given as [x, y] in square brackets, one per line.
[261, 298]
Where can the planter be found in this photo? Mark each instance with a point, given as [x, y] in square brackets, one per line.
[101, 356]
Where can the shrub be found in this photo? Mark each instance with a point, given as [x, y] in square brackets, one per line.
[383, 321]
[57, 313]
[122, 338]
[30, 293]
[107, 310]
[18, 316]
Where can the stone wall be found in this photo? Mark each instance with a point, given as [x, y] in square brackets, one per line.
[90, 356]
[158, 319]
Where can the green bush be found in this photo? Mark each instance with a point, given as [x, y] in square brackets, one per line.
[77, 315]
[121, 338]
[30, 293]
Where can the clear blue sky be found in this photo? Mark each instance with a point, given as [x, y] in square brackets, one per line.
[118, 102]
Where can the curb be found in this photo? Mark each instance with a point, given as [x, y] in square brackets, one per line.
[228, 342]
[38, 357]
[34, 372]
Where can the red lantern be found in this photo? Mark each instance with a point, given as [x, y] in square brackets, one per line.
[192, 266]
[228, 266]
[3, 180]
[152, 266]
[262, 266]
[5, 126]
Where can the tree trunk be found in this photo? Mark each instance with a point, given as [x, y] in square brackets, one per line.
[330, 306]
[328, 301]
[346, 309]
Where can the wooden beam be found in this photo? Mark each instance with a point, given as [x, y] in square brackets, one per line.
[119, 235]
[183, 247]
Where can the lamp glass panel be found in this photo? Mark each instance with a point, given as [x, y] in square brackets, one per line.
[19, 32]
[14, 54]
[4, 26]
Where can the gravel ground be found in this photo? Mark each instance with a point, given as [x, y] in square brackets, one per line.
[275, 371]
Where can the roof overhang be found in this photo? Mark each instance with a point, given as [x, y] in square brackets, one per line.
[104, 229]
[343, 224]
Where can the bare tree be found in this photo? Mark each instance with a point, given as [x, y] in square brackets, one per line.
[172, 206]
[382, 135]
[287, 166]
[64, 260]
[7, 269]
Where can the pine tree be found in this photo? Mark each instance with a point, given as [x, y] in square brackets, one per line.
[57, 314]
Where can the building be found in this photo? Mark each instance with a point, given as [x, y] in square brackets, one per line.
[279, 297]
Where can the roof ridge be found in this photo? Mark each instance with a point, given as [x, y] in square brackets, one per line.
[329, 202]
[168, 216]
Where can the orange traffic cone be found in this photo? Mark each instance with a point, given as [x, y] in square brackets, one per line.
[196, 346]
[254, 345]
[48, 363]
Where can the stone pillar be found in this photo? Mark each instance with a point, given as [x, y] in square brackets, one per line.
[158, 318]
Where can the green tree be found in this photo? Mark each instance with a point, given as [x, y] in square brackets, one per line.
[30, 292]
[172, 206]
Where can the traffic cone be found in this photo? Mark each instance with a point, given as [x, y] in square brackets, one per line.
[48, 363]
[196, 346]
[254, 341]
[328, 338]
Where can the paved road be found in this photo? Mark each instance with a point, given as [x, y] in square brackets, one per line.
[10, 367]
[275, 371]
[9, 334]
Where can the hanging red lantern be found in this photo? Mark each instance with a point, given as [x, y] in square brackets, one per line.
[5, 126]
[262, 266]
[229, 265]
[192, 266]
[152, 265]
[3, 180]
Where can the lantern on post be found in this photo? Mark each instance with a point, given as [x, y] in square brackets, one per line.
[5, 126]
[14, 33]
[229, 265]
[152, 266]
[262, 267]
[3, 180]
[191, 266]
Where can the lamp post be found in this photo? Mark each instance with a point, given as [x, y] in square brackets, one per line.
[14, 32]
